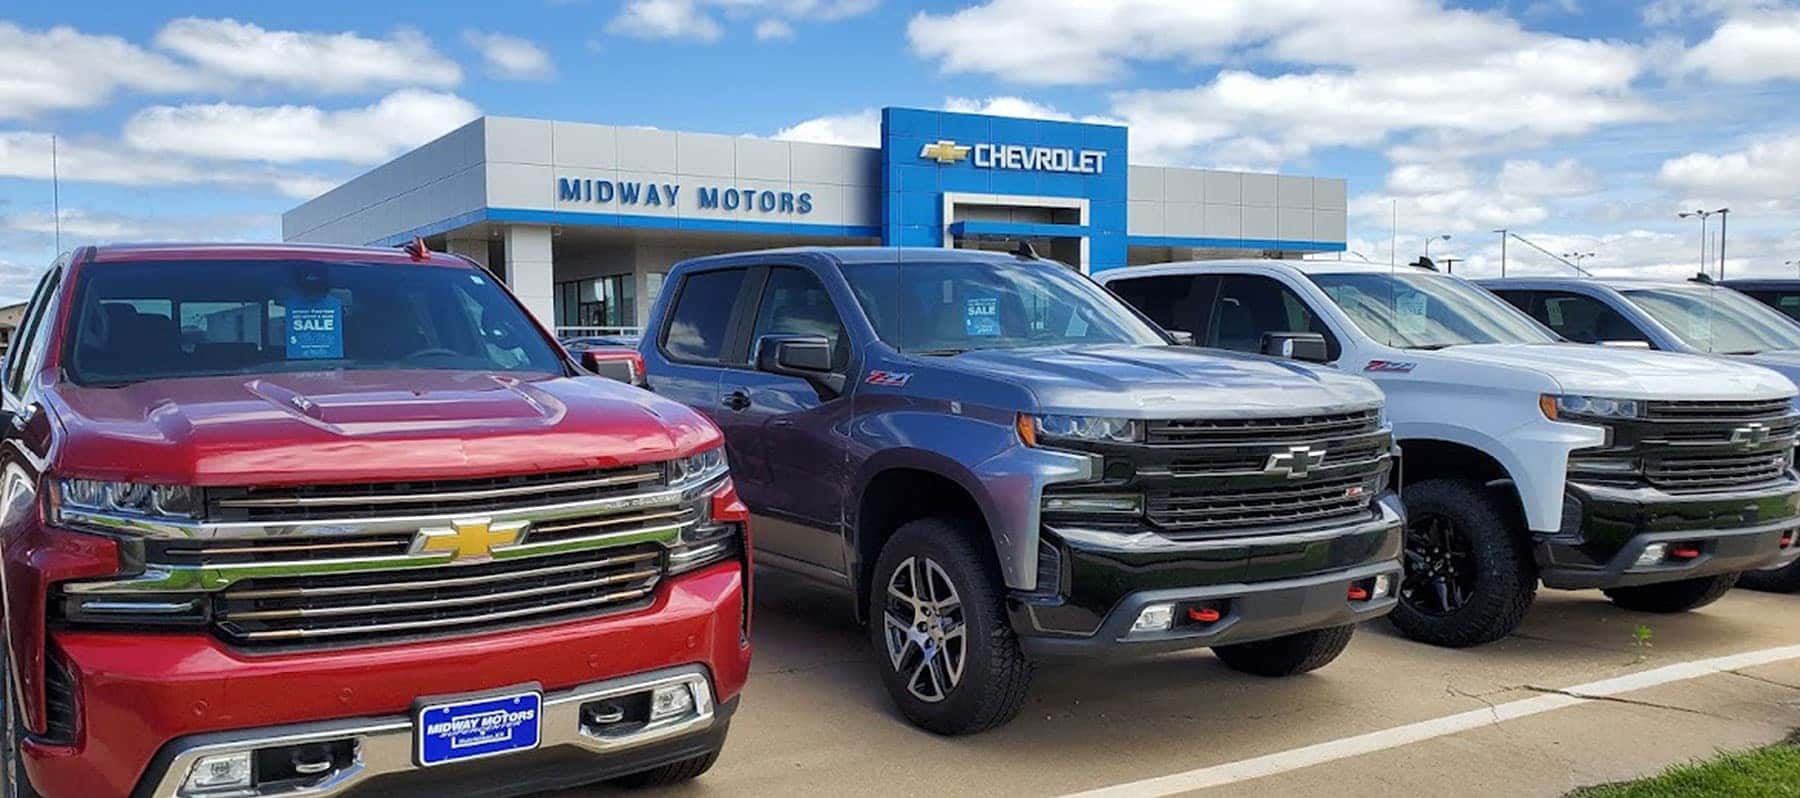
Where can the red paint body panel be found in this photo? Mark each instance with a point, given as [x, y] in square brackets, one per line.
[140, 691]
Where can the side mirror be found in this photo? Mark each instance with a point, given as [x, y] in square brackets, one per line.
[1182, 337]
[624, 365]
[1307, 347]
[805, 356]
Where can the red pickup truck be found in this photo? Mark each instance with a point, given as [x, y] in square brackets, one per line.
[300, 520]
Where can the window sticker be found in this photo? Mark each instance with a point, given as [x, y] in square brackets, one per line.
[315, 328]
[981, 316]
[1700, 326]
[1409, 313]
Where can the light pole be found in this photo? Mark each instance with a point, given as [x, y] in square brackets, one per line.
[1444, 237]
[1724, 214]
[1702, 215]
[1450, 264]
[1503, 232]
[1577, 257]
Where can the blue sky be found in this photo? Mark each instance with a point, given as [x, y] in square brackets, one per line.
[1585, 125]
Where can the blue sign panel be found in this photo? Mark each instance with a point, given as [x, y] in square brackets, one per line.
[315, 328]
[927, 154]
[478, 728]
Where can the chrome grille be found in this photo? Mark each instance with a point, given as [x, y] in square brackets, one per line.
[380, 605]
[1258, 431]
[1261, 507]
[1717, 471]
[308, 502]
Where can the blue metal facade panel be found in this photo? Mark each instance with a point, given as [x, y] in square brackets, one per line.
[914, 182]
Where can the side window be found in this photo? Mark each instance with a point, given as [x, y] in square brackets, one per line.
[20, 354]
[1249, 306]
[794, 302]
[700, 320]
[1584, 319]
[1174, 302]
[1525, 301]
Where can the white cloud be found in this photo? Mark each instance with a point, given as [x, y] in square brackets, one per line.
[62, 68]
[1762, 173]
[290, 133]
[326, 62]
[771, 29]
[510, 57]
[26, 155]
[699, 20]
[95, 227]
[1565, 178]
[858, 128]
[1750, 48]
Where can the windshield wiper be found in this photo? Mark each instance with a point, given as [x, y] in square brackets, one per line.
[1744, 352]
[1430, 347]
[939, 352]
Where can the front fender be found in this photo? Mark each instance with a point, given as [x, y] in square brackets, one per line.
[985, 457]
[1535, 456]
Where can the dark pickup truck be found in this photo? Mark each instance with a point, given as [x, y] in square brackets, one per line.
[1003, 463]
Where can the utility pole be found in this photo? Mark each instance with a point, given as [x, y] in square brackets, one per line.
[1702, 214]
[1503, 233]
[55, 197]
[1724, 214]
[1450, 265]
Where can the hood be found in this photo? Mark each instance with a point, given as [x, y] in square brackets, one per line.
[1164, 381]
[351, 426]
[1624, 373]
[1785, 362]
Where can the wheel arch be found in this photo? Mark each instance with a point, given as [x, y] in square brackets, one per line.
[1437, 458]
[894, 494]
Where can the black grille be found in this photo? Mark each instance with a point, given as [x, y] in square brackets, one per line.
[1300, 503]
[1716, 471]
[1717, 411]
[1257, 431]
[315, 502]
[59, 700]
[456, 599]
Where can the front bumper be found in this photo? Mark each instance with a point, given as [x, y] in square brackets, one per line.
[572, 751]
[141, 693]
[1263, 587]
[1605, 530]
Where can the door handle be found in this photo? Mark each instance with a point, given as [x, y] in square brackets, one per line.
[736, 400]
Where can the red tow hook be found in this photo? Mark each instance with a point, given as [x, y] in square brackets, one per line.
[1685, 553]
[1203, 614]
[1358, 593]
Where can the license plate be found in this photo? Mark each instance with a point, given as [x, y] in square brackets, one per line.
[454, 731]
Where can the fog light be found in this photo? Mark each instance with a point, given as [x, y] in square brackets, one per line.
[1653, 554]
[671, 701]
[1121, 504]
[1383, 585]
[1154, 618]
[219, 772]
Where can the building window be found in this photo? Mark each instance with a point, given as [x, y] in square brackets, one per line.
[598, 302]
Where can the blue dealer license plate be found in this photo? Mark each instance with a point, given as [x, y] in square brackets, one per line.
[478, 727]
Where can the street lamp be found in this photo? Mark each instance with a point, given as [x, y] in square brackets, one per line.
[1444, 237]
[1724, 213]
[1702, 215]
[1503, 232]
[1450, 264]
[1577, 257]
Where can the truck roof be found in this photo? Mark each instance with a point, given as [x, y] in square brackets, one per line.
[1298, 266]
[880, 255]
[1619, 283]
[113, 253]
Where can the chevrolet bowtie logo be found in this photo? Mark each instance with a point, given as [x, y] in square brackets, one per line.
[944, 151]
[1753, 434]
[474, 539]
[1295, 463]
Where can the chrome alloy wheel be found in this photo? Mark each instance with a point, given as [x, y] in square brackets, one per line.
[927, 641]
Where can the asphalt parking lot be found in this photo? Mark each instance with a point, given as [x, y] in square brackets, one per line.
[815, 721]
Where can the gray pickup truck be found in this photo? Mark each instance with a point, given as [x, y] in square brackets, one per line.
[1002, 463]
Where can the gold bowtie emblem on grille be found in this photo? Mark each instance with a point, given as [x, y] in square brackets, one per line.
[474, 539]
[944, 151]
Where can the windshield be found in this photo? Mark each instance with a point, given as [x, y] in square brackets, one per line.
[1423, 311]
[947, 308]
[1718, 319]
[166, 319]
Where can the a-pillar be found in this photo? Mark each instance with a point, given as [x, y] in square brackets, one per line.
[529, 270]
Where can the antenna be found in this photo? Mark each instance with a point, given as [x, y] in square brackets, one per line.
[1564, 261]
[55, 196]
[1025, 251]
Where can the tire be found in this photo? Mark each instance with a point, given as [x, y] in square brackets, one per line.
[670, 774]
[13, 781]
[917, 641]
[1672, 597]
[1785, 579]
[1489, 577]
[1289, 655]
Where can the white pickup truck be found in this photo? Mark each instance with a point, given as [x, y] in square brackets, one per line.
[1656, 477]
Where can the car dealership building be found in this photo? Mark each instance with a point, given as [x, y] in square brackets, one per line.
[584, 220]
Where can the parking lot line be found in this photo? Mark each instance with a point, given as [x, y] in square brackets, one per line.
[1320, 753]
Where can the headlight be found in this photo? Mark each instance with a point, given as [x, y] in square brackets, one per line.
[1079, 428]
[1555, 407]
[710, 538]
[698, 468]
[134, 499]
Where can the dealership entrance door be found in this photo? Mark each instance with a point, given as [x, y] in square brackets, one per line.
[1056, 227]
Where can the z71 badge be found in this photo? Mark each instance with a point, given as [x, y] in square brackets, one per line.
[891, 379]
[1395, 366]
